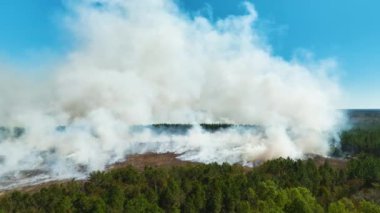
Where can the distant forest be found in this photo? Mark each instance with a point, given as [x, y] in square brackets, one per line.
[349, 184]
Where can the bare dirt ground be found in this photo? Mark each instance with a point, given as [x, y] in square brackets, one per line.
[151, 159]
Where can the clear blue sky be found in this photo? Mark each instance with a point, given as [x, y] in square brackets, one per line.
[346, 30]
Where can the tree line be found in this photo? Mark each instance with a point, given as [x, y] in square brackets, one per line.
[361, 140]
[281, 185]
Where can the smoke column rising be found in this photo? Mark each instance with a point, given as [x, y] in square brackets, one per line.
[143, 62]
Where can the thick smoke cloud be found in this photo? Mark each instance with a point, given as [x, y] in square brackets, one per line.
[142, 62]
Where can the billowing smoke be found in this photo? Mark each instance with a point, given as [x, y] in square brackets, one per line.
[144, 62]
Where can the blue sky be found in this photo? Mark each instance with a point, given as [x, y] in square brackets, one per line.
[345, 30]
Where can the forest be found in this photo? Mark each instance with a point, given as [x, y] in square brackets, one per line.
[280, 185]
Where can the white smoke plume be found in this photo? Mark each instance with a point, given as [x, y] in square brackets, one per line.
[144, 62]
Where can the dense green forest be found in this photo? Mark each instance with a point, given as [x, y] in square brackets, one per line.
[361, 140]
[280, 185]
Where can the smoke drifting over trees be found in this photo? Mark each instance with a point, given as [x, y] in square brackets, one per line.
[144, 62]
